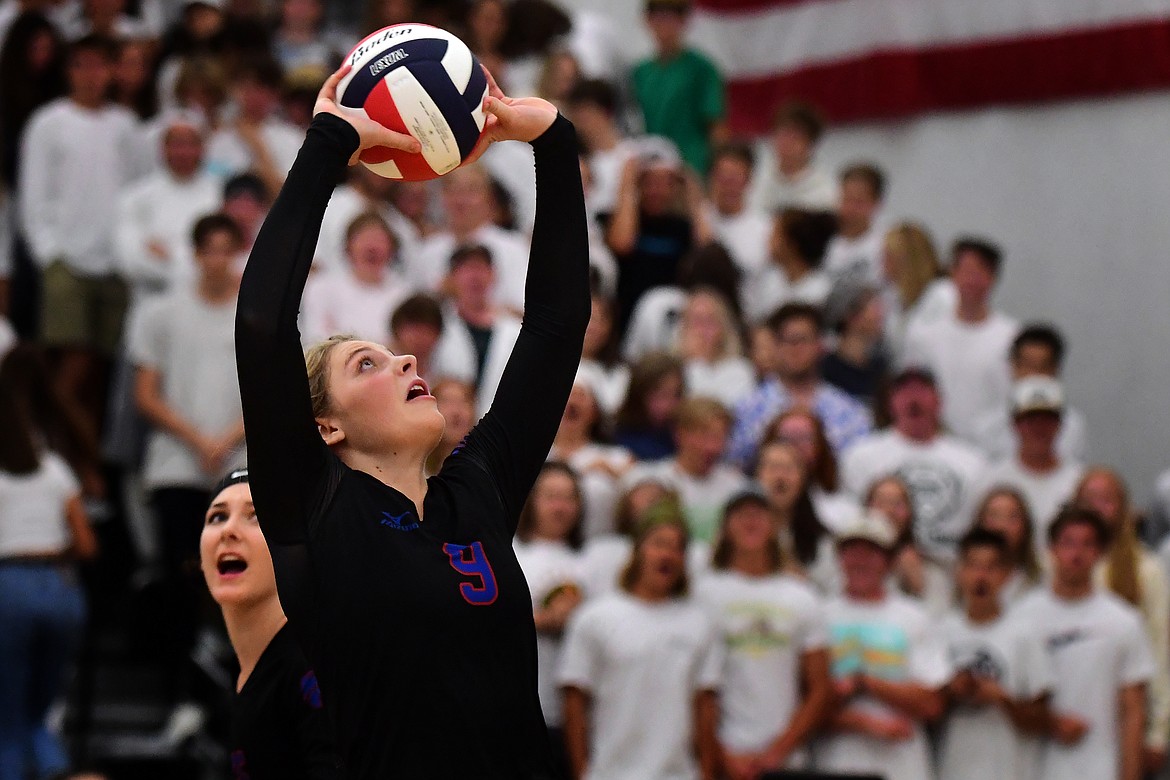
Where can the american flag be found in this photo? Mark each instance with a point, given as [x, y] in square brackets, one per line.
[882, 59]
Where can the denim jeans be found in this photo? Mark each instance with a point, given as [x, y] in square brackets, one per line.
[42, 618]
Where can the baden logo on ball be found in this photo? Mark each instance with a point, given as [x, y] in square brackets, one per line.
[421, 80]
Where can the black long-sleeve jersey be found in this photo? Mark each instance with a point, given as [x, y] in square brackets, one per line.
[279, 727]
[421, 632]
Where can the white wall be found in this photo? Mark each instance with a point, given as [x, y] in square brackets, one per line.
[1078, 194]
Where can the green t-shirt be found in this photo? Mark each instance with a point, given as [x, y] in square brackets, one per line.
[681, 98]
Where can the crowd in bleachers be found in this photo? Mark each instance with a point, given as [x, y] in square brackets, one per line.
[814, 503]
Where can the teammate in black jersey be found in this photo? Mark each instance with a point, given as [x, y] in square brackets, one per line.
[405, 591]
[279, 727]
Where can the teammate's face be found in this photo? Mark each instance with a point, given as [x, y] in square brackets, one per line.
[981, 573]
[378, 403]
[663, 554]
[555, 505]
[233, 555]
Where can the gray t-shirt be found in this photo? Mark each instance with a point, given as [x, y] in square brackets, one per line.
[191, 344]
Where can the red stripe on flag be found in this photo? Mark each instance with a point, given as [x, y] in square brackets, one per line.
[750, 6]
[892, 84]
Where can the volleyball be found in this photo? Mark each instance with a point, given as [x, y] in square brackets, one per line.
[421, 80]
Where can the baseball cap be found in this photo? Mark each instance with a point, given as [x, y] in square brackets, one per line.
[1037, 394]
[656, 151]
[868, 525]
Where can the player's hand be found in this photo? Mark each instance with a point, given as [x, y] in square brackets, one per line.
[370, 132]
[511, 119]
[1068, 729]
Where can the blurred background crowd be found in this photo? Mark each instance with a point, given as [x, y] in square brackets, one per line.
[793, 412]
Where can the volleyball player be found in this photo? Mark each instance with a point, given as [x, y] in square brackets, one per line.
[279, 728]
[413, 608]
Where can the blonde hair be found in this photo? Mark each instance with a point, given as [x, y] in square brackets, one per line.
[1124, 553]
[317, 369]
[731, 344]
[920, 265]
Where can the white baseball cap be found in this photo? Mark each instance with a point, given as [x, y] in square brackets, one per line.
[1037, 394]
[869, 525]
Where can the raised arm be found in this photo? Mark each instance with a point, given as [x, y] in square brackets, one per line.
[287, 458]
[514, 437]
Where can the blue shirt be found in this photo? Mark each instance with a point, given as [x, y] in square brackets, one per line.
[845, 419]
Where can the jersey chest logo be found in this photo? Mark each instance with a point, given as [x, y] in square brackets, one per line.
[403, 522]
[471, 561]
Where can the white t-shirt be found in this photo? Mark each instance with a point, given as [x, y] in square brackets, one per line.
[548, 567]
[611, 383]
[75, 164]
[891, 640]
[812, 188]
[703, 498]
[772, 288]
[428, 265]
[599, 486]
[767, 624]
[980, 742]
[32, 508]
[995, 434]
[943, 476]
[642, 664]
[1097, 647]
[746, 236]
[338, 302]
[192, 346]
[163, 209]
[1045, 493]
[228, 154]
[857, 258]
[728, 380]
[605, 557]
[938, 299]
[970, 363]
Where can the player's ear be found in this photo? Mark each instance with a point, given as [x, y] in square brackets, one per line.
[331, 434]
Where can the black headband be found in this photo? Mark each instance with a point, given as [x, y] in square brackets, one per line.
[233, 477]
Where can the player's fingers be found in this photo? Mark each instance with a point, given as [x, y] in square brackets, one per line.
[329, 88]
[382, 136]
[493, 88]
[499, 109]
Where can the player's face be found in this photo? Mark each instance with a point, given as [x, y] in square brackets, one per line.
[1075, 553]
[663, 553]
[233, 555]
[555, 505]
[378, 401]
[750, 528]
[981, 573]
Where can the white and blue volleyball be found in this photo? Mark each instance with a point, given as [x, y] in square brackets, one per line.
[420, 80]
